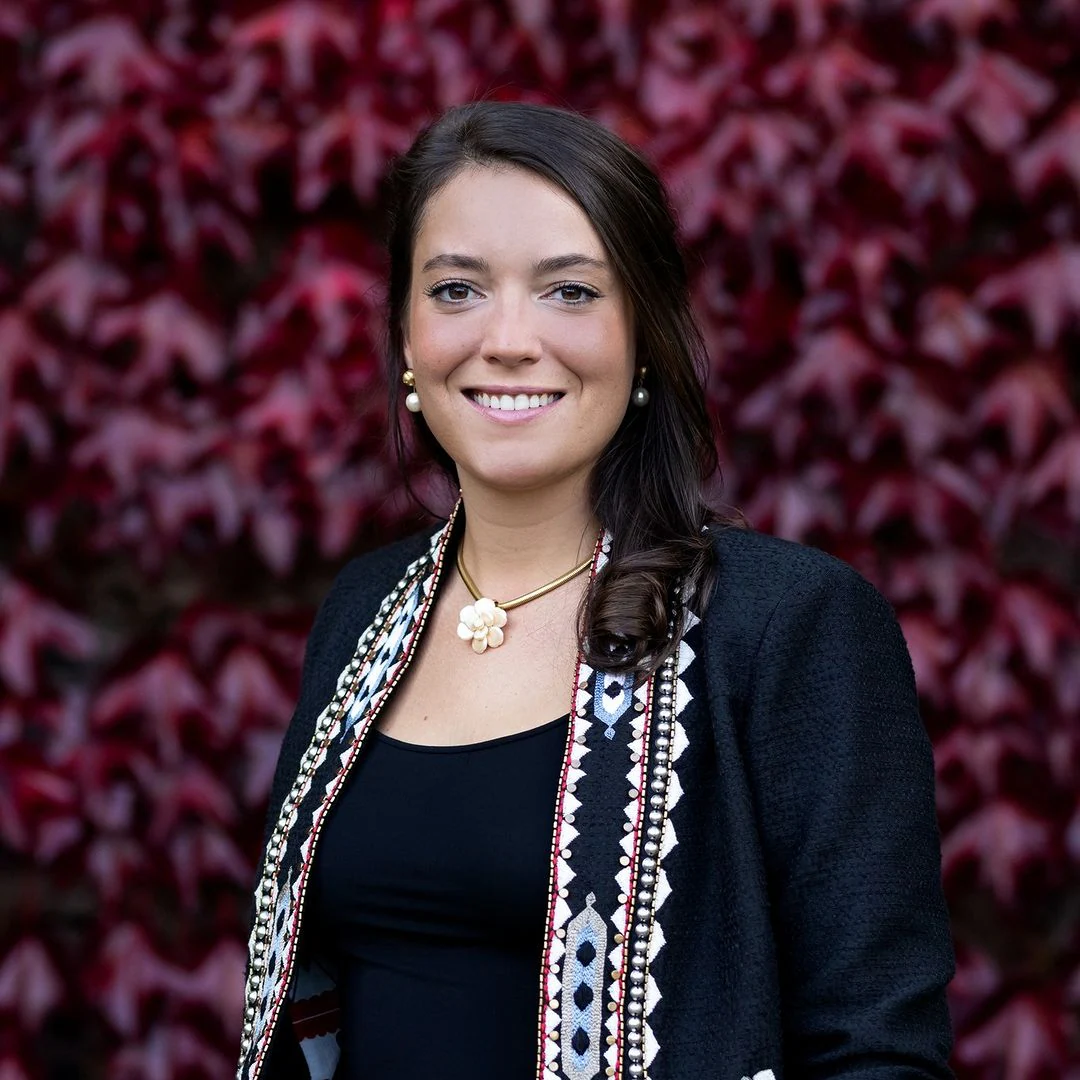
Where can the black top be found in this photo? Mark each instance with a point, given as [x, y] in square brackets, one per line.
[429, 885]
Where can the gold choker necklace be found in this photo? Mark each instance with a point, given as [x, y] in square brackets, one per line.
[481, 623]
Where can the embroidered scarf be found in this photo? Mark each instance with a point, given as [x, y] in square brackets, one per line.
[607, 883]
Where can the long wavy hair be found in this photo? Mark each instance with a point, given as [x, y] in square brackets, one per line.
[647, 487]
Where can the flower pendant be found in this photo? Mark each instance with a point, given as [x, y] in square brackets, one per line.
[481, 625]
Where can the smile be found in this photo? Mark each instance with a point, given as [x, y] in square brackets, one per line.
[513, 402]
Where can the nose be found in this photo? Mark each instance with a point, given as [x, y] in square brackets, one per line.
[511, 334]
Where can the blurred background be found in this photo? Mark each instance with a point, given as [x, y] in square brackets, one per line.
[881, 207]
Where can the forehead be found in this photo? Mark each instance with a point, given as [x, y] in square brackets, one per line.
[504, 211]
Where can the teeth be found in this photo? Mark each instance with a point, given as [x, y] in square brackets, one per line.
[517, 403]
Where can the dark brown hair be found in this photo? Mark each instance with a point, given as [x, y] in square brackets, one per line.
[647, 488]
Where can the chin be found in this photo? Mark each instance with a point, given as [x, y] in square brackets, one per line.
[519, 477]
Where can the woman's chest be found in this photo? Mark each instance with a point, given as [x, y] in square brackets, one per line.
[451, 695]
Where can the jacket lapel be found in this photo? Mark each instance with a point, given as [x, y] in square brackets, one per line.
[382, 656]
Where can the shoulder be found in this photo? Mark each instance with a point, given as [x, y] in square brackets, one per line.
[371, 575]
[353, 598]
[770, 591]
[756, 573]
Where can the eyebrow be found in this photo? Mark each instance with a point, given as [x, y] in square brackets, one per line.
[551, 265]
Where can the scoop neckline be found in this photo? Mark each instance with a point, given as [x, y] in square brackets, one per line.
[458, 748]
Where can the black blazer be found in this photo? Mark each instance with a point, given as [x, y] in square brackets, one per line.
[751, 836]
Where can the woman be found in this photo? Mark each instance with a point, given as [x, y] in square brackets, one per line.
[723, 862]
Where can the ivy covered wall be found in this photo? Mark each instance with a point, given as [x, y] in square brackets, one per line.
[881, 207]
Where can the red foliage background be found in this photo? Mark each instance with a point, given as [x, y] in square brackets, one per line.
[881, 203]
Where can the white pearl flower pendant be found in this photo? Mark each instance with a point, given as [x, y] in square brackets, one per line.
[481, 625]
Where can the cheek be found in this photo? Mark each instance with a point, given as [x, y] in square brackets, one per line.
[437, 344]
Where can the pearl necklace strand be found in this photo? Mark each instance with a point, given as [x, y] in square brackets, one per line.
[481, 623]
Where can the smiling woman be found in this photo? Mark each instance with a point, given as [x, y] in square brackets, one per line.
[665, 807]
[514, 326]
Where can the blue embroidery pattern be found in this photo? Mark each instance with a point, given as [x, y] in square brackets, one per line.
[586, 946]
[614, 694]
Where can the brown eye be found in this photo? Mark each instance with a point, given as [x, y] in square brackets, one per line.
[452, 292]
[575, 294]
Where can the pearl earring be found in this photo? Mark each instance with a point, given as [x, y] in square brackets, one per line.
[640, 396]
[412, 399]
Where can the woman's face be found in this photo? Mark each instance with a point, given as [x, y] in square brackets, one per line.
[518, 331]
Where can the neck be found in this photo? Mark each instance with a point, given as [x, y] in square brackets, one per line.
[514, 542]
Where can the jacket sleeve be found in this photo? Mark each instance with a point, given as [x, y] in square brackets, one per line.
[843, 783]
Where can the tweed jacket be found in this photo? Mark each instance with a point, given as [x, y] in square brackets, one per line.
[745, 868]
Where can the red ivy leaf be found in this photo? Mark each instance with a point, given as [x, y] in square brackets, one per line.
[910, 409]
[30, 986]
[1028, 400]
[74, 287]
[952, 328]
[796, 507]
[200, 854]
[208, 493]
[108, 57]
[369, 140]
[1002, 840]
[133, 441]
[828, 76]
[999, 761]
[1055, 153]
[29, 624]
[835, 368]
[887, 138]
[290, 413]
[127, 973]
[246, 146]
[938, 504]
[995, 95]
[188, 790]
[867, 262]
[1057, 473]
[276, 533]
[1043, 629]
[247, 688]
[325, 290]
[677, 86]
[217, 984]
[163, 328]
[948, 577]
[113, 863]
[984, 687]
[1046, 287]
[1024, 1040]
[297, 30]
[23, 350]
[162, 695]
